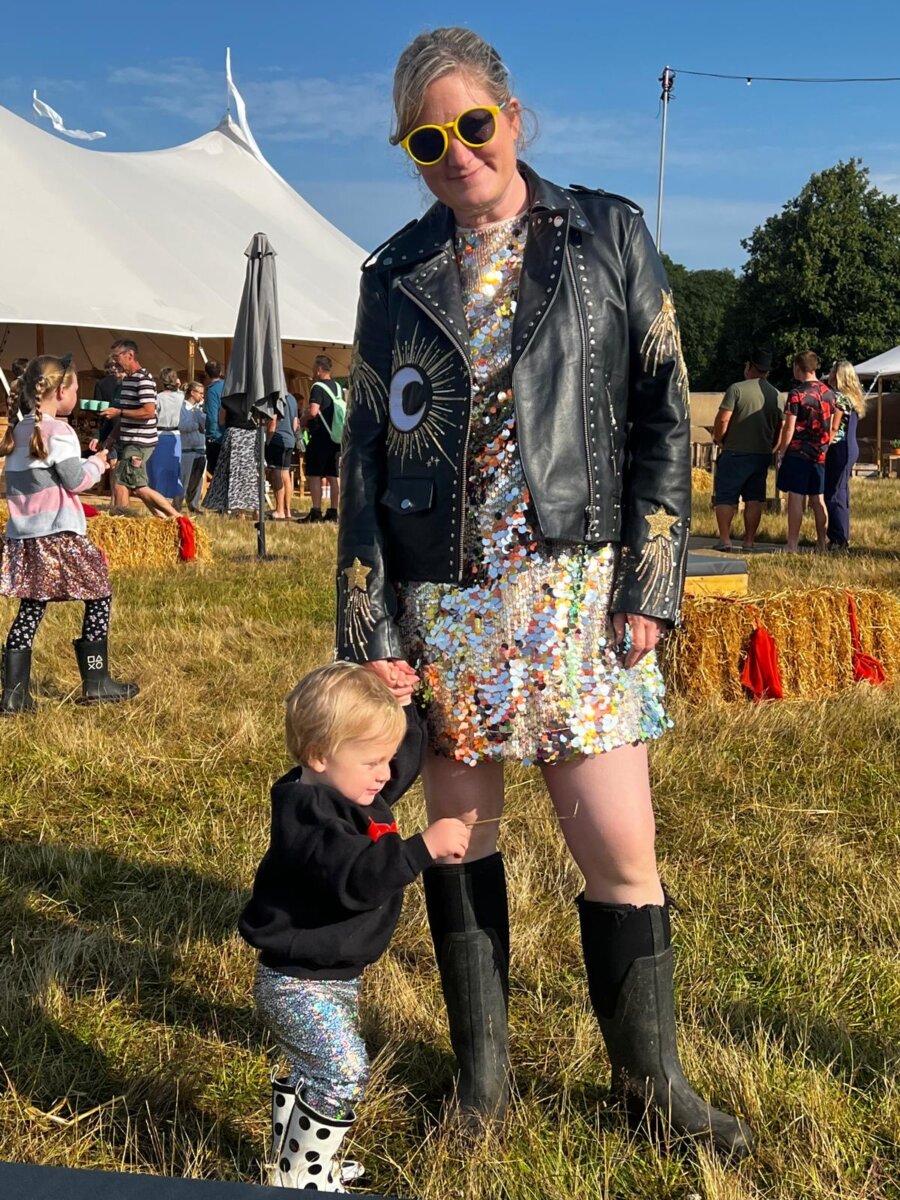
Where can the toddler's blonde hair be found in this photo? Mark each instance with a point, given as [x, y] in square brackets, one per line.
[337, 703]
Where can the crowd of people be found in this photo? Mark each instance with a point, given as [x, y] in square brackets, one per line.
[166, 438]
[811, 436]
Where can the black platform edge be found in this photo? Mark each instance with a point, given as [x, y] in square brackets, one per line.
[23, 1181]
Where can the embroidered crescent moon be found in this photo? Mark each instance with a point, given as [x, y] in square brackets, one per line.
[412, 378]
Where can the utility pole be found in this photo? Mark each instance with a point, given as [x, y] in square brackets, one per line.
[667, 79]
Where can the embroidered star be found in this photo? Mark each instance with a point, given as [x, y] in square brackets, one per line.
[357, 575]
[660, 524]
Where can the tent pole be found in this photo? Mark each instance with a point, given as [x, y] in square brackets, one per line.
[261, 455]
[192, 349]
[878, 426]
[226, 352]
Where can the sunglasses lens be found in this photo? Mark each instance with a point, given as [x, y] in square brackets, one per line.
[427, 145]
[476, 127]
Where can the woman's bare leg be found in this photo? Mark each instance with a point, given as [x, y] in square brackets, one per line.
[473, 794]
[607, 821]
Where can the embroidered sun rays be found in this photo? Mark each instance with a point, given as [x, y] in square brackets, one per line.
[356, 611]
[654, 571]
[663, 342]
[420, 399]
[366, 385]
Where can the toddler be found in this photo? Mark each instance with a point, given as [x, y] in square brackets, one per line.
[326, 900]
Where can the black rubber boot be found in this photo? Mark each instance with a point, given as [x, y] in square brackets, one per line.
[469, 921]
[314, 515]
[331, 514]
[636, 1014]
[16, 696]
[96, 685]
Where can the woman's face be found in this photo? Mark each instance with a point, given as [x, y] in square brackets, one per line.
[477, 182]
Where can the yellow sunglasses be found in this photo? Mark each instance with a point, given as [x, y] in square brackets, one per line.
[426, 145]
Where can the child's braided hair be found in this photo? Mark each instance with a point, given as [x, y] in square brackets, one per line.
[42, 377]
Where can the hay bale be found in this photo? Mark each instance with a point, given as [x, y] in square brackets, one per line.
[701, 481]
[132, 543]
[703, 658]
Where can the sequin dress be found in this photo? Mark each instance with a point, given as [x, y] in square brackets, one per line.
[517, 660]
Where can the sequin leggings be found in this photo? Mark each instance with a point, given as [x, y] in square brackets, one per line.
[316, 1025]
[95, 626]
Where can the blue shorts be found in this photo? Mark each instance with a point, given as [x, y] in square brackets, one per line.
[801, 476]
[740, 476]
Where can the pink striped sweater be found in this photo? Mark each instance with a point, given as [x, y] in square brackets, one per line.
[42, 494]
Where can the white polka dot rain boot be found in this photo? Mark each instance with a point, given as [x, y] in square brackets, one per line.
[282, 1106]
[308, 1158]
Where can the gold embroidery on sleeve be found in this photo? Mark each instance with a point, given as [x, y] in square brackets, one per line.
[663, 342]
[367, 385]
[356, 613]
[654, 569]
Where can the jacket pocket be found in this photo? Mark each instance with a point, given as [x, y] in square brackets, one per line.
[412, 495]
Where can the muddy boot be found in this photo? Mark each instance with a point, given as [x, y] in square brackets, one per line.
[469, 923]
[16, 696]
[634, 1000]
[96, 685]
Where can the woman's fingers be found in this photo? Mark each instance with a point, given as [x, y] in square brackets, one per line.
[644, 632]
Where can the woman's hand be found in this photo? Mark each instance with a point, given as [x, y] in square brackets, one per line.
[645, 635]
[397, 674]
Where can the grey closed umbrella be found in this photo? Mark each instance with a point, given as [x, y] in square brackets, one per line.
[254, 382]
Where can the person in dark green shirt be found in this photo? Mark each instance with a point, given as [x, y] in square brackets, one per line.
[746, 428]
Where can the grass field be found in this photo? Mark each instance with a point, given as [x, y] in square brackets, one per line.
[129, 836]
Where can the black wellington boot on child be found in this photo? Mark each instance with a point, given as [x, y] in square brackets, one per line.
[469, 921]
[629, 961]
[16, 696]
[96, 685]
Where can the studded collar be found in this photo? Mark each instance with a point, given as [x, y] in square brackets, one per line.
[420, 240]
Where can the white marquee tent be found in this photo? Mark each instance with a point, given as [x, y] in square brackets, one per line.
[881, 367]
[94, 245]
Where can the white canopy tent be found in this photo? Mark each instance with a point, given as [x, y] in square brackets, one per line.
[94, 245]
[881, 367]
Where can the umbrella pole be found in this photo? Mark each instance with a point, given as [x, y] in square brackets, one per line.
[261, 456]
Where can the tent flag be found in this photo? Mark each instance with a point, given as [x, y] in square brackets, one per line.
[240, 109]
[44, 110]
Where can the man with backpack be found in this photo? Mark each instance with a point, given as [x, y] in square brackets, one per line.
[324, 422]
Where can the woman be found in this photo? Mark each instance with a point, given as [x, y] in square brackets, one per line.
[164, 467]
[843, 451]
[280, 446]
[235, 482]
[524, 555]
[192, 424]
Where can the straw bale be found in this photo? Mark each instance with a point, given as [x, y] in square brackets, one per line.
[129, 543]
[811, 627]
[701, 481]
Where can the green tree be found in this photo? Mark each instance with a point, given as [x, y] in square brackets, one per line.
[704, 300]
[821, 274]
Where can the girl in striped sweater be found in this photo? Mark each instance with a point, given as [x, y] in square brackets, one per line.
[47, 554]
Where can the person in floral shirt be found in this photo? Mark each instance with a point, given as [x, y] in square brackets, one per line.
[804, 440]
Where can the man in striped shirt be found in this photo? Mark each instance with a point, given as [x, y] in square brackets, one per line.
[135, 408]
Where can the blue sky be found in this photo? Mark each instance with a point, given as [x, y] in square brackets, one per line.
[316, 79]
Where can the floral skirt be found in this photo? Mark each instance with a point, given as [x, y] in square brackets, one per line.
[235, 484]
[523, 667]
[60, 566]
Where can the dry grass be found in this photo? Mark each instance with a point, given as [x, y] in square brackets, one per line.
[130, 835]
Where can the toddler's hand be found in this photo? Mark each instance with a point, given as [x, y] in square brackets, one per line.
[447, 838]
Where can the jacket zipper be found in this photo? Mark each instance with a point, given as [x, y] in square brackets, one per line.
[593, 523]
[464, 351]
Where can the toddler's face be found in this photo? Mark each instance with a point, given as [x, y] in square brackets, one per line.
[358, 769]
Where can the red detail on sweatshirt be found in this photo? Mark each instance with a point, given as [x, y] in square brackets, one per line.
[377, 830]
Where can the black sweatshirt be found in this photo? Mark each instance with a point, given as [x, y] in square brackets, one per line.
[328, 893]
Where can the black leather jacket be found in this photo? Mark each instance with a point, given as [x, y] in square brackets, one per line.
[600, 394]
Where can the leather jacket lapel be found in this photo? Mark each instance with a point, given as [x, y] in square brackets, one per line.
[435, 287]
[542, 270]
